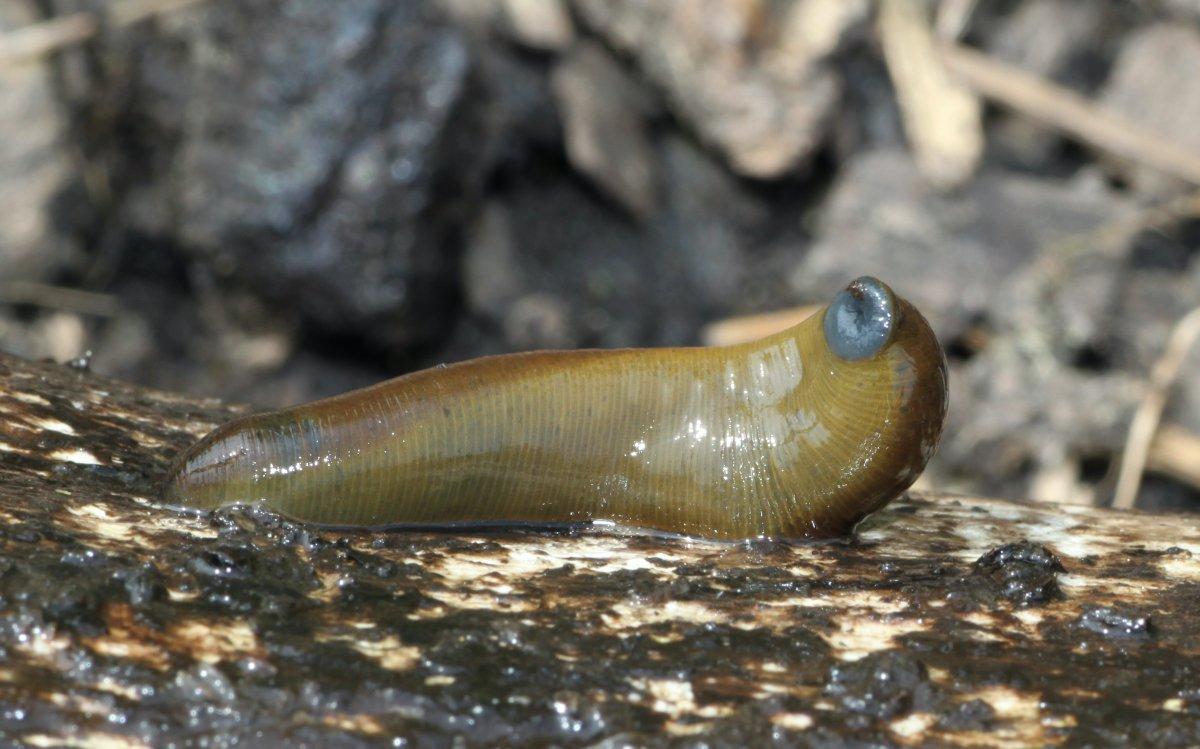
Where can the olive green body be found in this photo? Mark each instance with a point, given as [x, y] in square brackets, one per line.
[778, 437]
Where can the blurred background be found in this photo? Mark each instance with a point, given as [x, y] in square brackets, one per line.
[279, 200]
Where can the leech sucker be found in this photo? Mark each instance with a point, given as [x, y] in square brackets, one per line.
[799, 434]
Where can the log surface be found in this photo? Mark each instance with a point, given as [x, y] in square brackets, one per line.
[947, 621]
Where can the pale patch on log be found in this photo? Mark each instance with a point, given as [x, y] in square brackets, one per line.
[216, 642]
[84, 740]
[389, 653]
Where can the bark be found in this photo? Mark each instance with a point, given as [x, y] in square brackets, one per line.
[946, 620]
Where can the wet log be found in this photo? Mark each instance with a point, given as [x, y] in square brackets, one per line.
[946, 620]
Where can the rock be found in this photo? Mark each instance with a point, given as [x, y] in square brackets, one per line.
[124, 346]
[1159, 283]
[523, 111]
[1024, 573]
[1189, 9]
[1116, 624]
[551, 237]
[621, 284]
[1063, 41]
[37, 222]
[1015, 412]
[871, 116]
[539, 321]
[759, 95]
[1152, 301]
[604, 112]
[882, 686]
[1048, 392]
[58, 336]
[708, 220]
[543, 25]
[1152, 86]
[129, 624]
[323, 160]
[1022, 262]
[948, 254]
[492, 276]
[1051, 38]
[540, 24]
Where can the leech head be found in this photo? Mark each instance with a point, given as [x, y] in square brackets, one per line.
[890, 372]
[861, 320]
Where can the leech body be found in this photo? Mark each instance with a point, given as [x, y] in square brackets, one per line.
[799, 434]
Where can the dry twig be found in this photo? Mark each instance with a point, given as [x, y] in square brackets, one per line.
[1069, 113]
[941, 116]
[59, 297]
[734, 330]
[47, 37]
[1149, 412]
[1175, 452]
[953, 18]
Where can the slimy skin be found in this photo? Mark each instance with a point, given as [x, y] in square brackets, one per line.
[800, 434]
